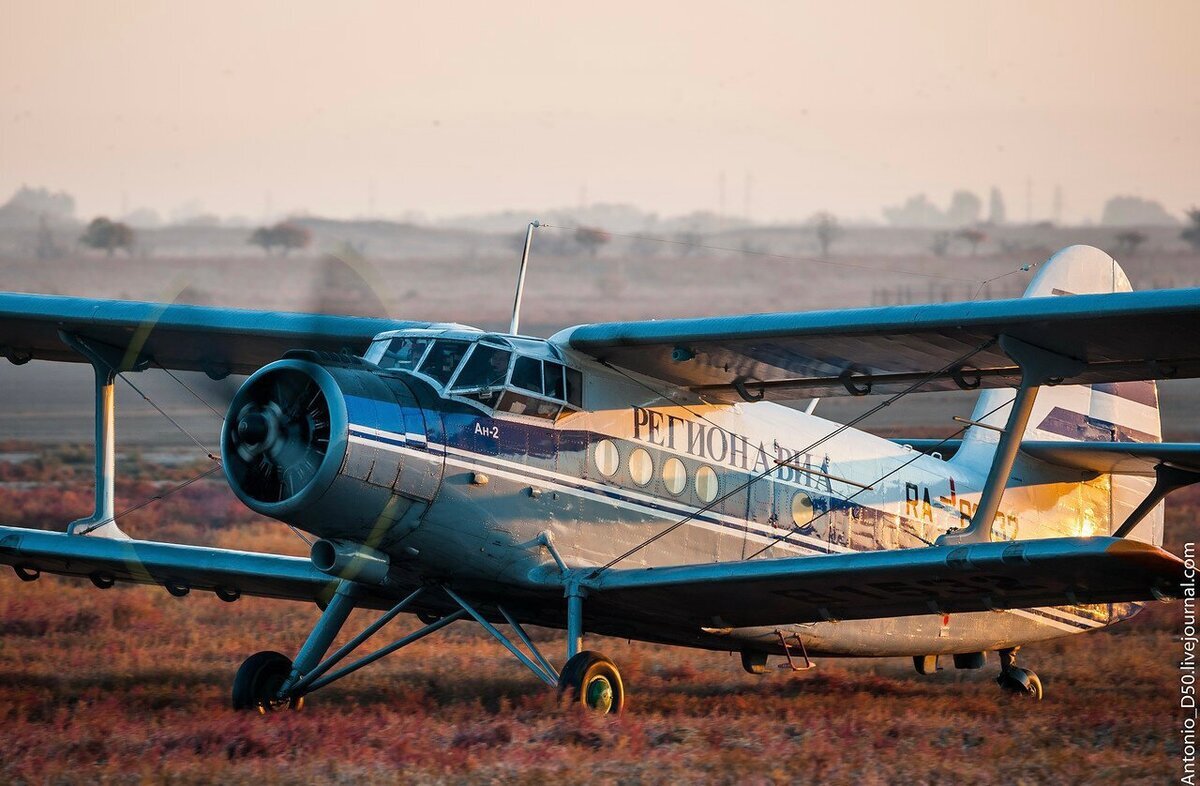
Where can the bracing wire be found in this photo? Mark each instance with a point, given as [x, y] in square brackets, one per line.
[173, 421]
[195, 395]
[153, 499]
[794, 457]
[786, 536]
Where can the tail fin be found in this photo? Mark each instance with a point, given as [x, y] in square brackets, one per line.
[1117, 412]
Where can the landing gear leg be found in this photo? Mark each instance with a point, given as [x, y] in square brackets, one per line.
[265, 680]
[1015, 679]
[589, 678]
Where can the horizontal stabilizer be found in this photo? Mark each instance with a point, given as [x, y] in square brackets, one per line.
[896, 583]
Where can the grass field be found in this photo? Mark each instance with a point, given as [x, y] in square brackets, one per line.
[131, 685]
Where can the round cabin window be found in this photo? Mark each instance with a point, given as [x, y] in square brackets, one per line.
[641, 466]
[706, 484]
[802, 509]
[674, 475]
[607, 458]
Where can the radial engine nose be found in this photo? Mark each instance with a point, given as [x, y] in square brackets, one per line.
[279, 435]
[300, 445]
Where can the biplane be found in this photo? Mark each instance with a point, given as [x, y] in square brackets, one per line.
[641, 480]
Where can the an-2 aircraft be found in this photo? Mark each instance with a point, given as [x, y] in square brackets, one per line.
[635, 480]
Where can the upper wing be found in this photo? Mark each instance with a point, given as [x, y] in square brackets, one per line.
[874, 584]
[149, 562]
[194, 338]
[1120, 336]
[1111, 458]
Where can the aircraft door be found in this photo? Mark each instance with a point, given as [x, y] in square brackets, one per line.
[764, 510]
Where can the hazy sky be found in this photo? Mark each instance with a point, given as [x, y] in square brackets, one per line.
[450, 108]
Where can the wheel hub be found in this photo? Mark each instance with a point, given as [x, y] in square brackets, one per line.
[599, 694]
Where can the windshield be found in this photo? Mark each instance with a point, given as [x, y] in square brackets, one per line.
[443, 358]
[403, 353]
[486, 368]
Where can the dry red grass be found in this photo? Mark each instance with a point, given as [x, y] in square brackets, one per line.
[132, 685]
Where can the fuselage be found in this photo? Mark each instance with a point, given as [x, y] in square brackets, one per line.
[605, 462]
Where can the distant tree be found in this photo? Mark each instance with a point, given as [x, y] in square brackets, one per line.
[996, 212]
[108, 236]
[973, 237]
[285, 235]
[1192, 233]
[964, 209]
[1129, 240]
[827, 229]
[263, 238]
[940, 244]
[591, 238]
[290, 236]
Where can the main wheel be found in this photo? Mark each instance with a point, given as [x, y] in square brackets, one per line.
[258, 681]
[592, 681]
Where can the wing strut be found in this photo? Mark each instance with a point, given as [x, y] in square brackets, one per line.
[106, 362]
[1166, 480]
[1038, 367]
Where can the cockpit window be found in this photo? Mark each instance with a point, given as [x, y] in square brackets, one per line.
[519, 404]
[487, 367]
[527, 374]
[552, 379]
[403, 353]
[443, 358]
[574, 387]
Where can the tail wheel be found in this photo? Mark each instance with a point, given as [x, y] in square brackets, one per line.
[1022, 682]
[259, 680]
[593, 681]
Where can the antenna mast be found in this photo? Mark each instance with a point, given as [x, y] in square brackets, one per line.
[516, 317]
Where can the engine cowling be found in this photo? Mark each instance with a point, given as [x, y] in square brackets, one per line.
[321, 447]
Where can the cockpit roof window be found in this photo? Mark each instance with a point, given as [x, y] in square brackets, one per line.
[443, 358]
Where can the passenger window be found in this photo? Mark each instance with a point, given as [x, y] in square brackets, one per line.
[487, 367]
[552, 379]
[575, 387]
[443, 358]
[519, 404]
[527, 374]
[403, 353]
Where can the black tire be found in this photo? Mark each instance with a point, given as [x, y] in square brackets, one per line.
[593, 682]
[1021, 682]
[1035, 685]
[258, 680]
[754, 661]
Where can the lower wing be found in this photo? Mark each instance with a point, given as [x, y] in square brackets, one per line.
[229, 573]
[898, 583]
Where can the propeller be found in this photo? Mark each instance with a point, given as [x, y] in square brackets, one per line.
[278, 435]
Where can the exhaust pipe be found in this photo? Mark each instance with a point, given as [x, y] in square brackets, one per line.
[351, 561]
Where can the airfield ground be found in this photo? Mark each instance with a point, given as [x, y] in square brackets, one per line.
[131, 685]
